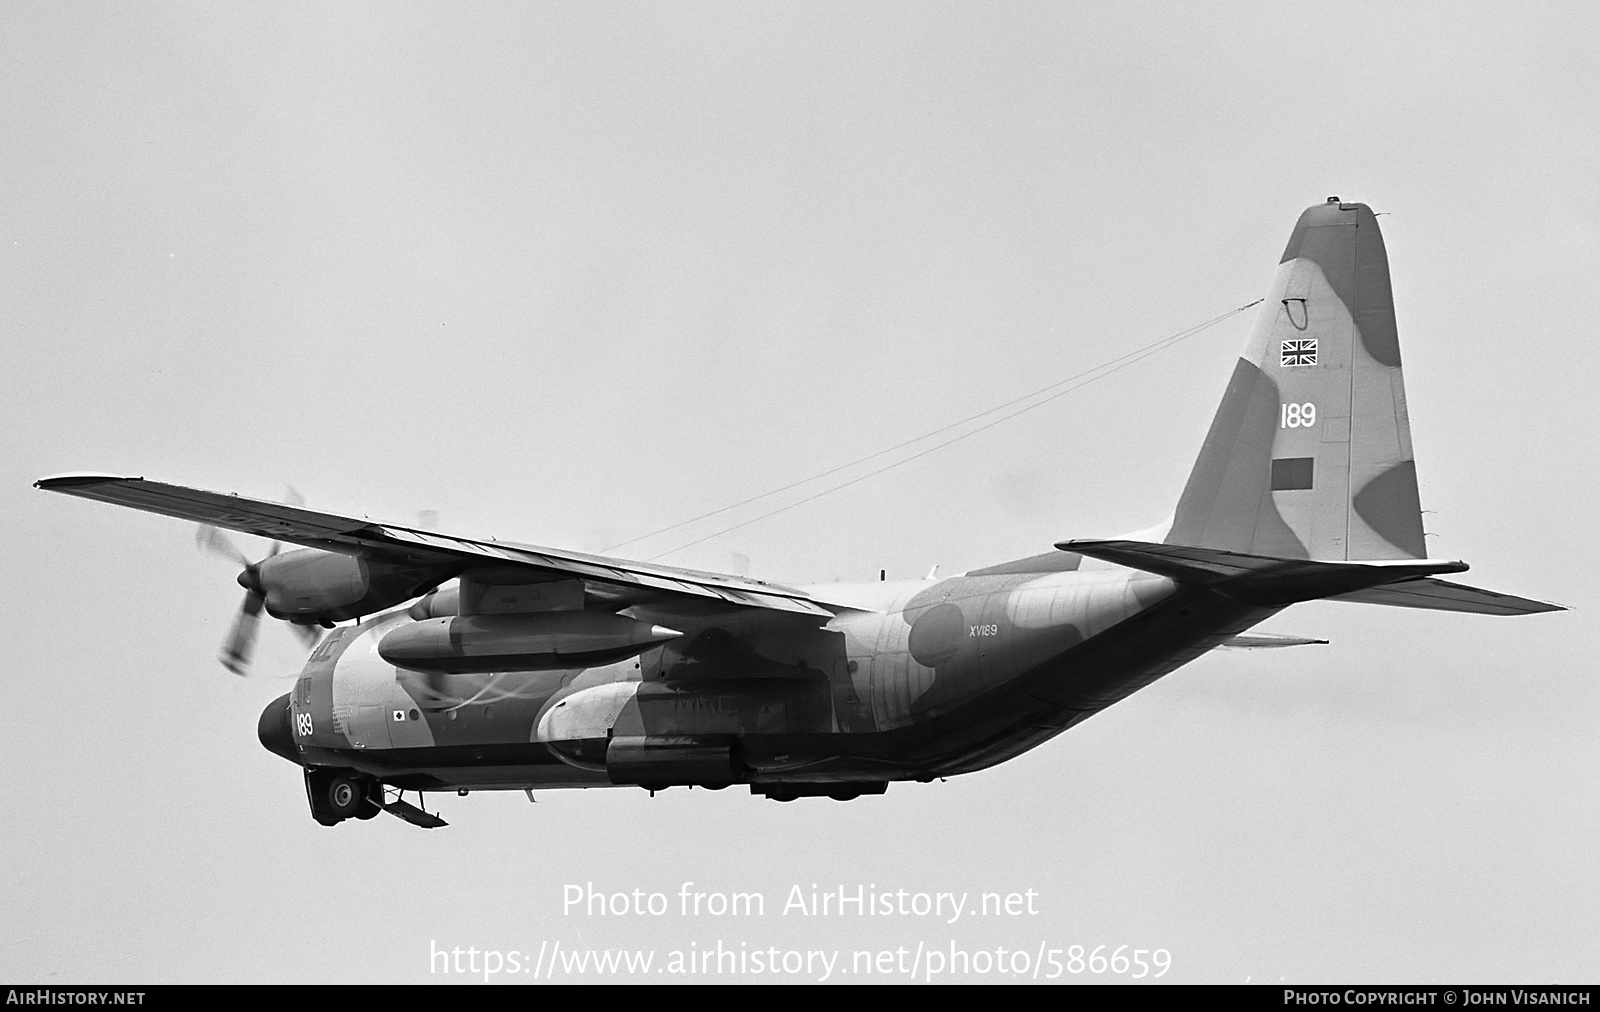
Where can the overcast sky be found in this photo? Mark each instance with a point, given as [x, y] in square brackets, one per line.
[567, 273]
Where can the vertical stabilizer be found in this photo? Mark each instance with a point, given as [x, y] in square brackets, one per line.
[1309, 455]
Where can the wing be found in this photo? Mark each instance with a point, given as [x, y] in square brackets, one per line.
[614, 581]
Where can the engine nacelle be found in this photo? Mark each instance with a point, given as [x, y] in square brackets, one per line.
[308, 585]
[438, 603]
[478, 644]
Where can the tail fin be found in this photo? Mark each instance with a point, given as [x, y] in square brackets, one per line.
[1309, 455]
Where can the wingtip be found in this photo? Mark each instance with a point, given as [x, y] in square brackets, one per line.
[80, 479]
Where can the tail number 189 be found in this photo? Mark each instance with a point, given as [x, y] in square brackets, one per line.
[1297, 416]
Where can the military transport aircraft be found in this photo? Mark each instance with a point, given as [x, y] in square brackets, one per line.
[482, 665]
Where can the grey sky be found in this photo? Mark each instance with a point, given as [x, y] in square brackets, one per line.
[569, 272]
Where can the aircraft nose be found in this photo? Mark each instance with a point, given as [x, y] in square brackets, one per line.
[275, 732]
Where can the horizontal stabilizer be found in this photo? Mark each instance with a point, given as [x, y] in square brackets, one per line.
[1264, 641]
[1440, 595]
[1259, 579]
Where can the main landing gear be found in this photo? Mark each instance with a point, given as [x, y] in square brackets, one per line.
[838, 792]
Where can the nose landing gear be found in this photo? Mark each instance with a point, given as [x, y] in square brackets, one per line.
[337, 795]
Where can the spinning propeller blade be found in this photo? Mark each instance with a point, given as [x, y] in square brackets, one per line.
[241, 642]
[239, 646]
[210, 539]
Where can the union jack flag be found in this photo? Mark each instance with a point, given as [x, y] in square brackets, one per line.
[1301, 351]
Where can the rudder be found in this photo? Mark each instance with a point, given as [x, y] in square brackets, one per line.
[1309, 455]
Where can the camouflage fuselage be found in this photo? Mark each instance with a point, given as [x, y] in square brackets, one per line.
[908, 680]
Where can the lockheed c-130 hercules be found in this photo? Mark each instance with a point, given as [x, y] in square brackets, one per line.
[482, 665]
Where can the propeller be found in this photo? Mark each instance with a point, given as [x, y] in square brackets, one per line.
[239, 646]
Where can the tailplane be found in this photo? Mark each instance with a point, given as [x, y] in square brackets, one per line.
[1309, 455]
[1275, 582]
